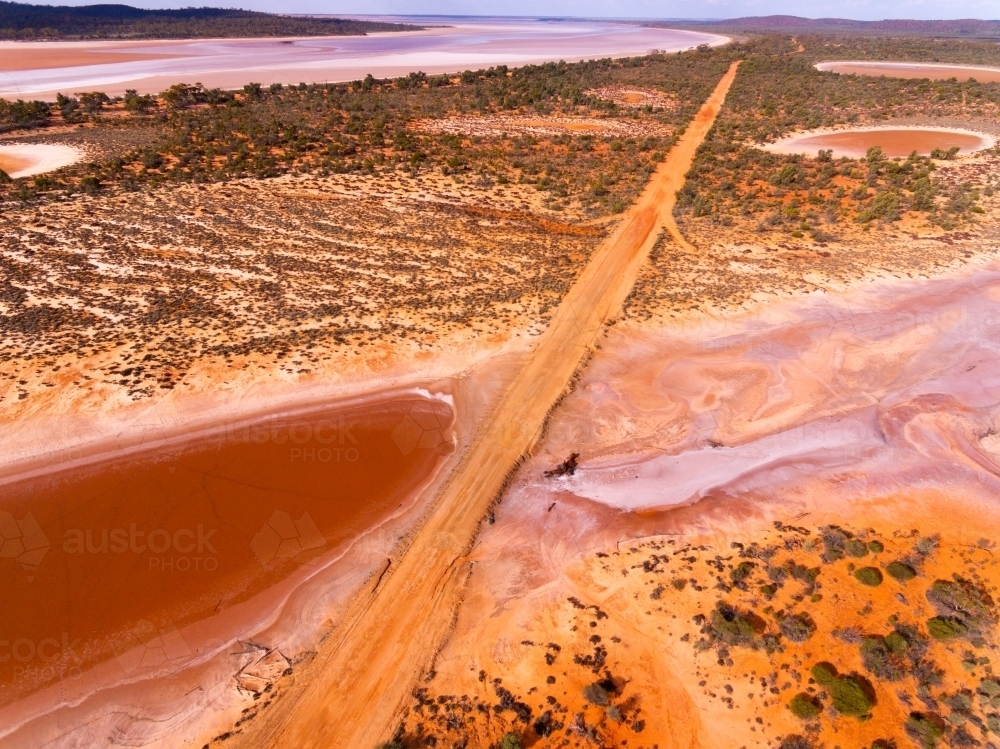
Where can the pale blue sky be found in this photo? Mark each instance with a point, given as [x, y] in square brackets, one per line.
[867, 10]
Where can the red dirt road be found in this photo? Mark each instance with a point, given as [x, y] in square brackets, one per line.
[352, 693]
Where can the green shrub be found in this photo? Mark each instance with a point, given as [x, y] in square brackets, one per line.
[989, 692]
[900, 571]
[856, 548]
[881, 660]
[510, 740]
[944, 628]
[734, 627]
[804, 706]
[834, 540]
[850, 696]
[870, 576]
[742, 571]
[926, 730]
[875, 547]
[824, 674]
[896, 643]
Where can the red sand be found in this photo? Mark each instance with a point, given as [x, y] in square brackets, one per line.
[107, 553]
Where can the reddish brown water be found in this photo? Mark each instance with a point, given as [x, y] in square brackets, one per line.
[899, 142]
[914, 70]
[100, 560]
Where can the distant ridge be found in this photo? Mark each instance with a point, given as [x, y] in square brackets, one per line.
[21, 21]
[965, 27]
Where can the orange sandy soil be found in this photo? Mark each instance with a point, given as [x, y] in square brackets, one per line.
[624, 614]
[34, 57]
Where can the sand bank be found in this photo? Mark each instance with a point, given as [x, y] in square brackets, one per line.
[29, 159]
[43, 56]
[894, 141]
[231, 63]
[933, 71]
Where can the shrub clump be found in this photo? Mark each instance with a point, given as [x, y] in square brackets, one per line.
[900, 571]
[794, 741]
[884, 659]
[741, 572]
[876, 547]
[797, 627]
[925, 729]
[850, 694]
[856, 548]
[510, 740]
[824, 674]
[945, 628]
[834, 541]
[963, 609]
[597, 694]
[870, 576]
[804, 706]
[732, 626]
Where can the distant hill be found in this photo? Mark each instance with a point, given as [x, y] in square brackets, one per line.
[963, 28]
[31, 22]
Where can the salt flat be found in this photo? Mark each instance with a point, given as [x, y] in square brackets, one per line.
[230, 63]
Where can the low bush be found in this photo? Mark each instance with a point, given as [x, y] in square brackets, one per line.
[797, 627]
[596, 694]
[796, 742]
[824, 674]
[925, 729]
[856, 548]
[850, 695]
[945, 628]
[805, 706]
[900, 571]
[875, 547]
[742, 571]
[733, 627]
[963, 608]
[870, 576]
[882, 660]
[510, 740]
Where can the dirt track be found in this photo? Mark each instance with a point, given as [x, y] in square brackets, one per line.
[367, 668]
